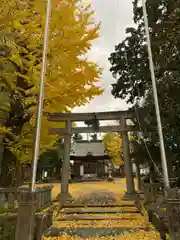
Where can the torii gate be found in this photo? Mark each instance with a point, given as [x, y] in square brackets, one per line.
[123, 127]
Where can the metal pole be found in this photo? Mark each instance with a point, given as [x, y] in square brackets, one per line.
[158, 117]
[41, 97]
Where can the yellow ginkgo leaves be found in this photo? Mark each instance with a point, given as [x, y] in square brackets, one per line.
[113, 145]
[71, 79]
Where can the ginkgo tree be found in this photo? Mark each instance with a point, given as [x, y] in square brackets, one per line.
[71, 79]
[113, 146]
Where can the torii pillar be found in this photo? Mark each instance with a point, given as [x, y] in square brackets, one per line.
[66, 163]
[127, 163]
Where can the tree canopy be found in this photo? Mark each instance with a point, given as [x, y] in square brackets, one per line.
[71, 79]
[130, 68]
[113, 146]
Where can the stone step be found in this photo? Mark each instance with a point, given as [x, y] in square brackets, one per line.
[87, 232]
[98, 205]
[98, 211]
[90, 232]
[86, 218]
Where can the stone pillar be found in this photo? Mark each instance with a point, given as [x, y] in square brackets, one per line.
[66, 163]
[127, 162]
[110, 177]
[26, 221]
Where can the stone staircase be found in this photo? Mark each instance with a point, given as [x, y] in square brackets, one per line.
[92, 220]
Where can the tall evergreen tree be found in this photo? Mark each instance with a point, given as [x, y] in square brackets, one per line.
[130, 68]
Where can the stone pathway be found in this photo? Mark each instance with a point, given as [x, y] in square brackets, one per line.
[117, 219]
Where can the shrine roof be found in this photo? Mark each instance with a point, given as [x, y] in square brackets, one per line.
[84, 148]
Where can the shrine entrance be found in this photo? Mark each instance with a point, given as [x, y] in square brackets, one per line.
[124, 127]
[84, 166]
[90, 168]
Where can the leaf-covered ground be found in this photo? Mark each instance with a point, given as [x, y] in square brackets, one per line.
[128, 236]
[103, 193]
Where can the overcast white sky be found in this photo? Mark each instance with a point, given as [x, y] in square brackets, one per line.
[115, 16]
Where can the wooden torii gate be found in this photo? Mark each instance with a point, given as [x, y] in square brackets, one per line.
[123, 127]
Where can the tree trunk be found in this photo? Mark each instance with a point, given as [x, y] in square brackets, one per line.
[1, 154]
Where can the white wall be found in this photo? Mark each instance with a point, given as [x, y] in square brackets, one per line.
[134, 167]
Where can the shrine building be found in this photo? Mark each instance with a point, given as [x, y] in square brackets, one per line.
[90, 160]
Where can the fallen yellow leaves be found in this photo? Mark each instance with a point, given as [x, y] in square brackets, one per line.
[78, 189]
[88, 191]
[132, 222]
[144, 235]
